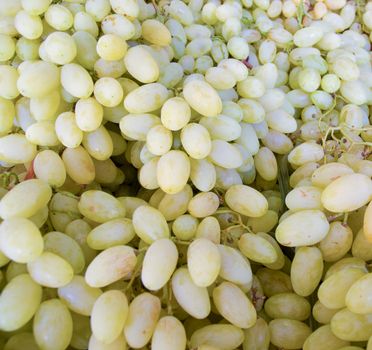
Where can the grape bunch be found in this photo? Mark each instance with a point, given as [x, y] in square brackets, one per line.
[185, 174]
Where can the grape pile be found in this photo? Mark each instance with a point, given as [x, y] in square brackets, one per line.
[187, 174]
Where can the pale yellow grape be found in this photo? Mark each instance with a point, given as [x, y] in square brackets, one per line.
[345, 68]
[196, 140]
[29, 26]
[251, 87]
[257, 248]
[129, 8]
[193, 299]
[263, 223]
[40, 217]
[307, 37]
[203, 204]
[79, 296]
[169, 334]
[265, 163]
[361, 247]
[67, 130]
[147, 174]
[137, 126]
[354, 91]
[306, 262]
[346, 263]
[110, 265]
[218, 336]
[38, 79]
[234, 267]
[111, 233]
[357, 297]
[289, 334]
[109, 314]
[159, 263]
[155, 32]
[45, 107]
[323, 339]
[306, 152]
[287, 305]
[23, 340]
[111, 47]
[50, 270]
[83, 21]
[367, 223]
[222, 127]
[76, 80]
[149, 224]
[7, 111]
[25, 199]
[238, 47]
[277, 142]
[185, 226]
[147, 71]
[42, 134]
[349, 326]
[333, 290]
[330, 83]
[305, 227]
[337, 242]
[8, 82]
[209, 228]
[118, 344]
[79, 165]
[108, 91]
[144, 312]
[146, 98]
[203, 261]
[282, 121]
[14, 311]
[67, 248]
[220, 78]
[322, 314]
[203, 174]
[60, 48]
[304, 197]
[52, 325]
[88, 114]
[246, 200]
[258, 336]
[59, 17]
[98, 143]
[174, 205]
[347, 193]
[203, 98]
[173, 171]
[131, 204]
[119, 25]
[280, 261]
[119, 143]
[8, 47]
[327, 173]
[225, 155]
[59, 206]
[302, 172]
[234, 305]
[175, 113]
[100, 206]
[159, 140]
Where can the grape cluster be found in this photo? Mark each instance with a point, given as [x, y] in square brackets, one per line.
[185, 175]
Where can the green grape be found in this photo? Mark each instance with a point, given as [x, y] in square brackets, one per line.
[140, 326]
[110, 265]
[15, 313]
[52, 325]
